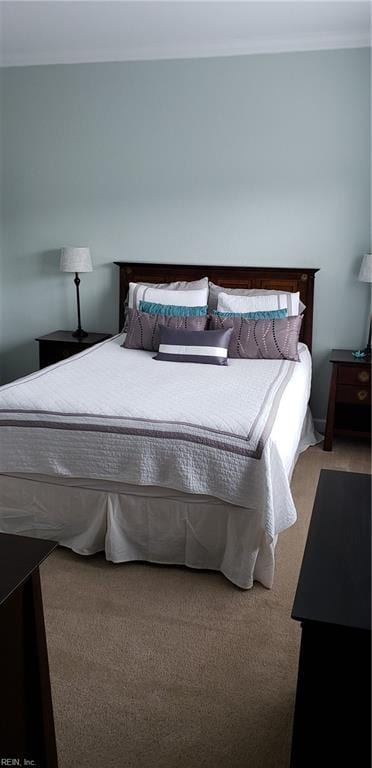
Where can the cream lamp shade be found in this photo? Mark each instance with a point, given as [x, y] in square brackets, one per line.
[365, 272]
[76, 259]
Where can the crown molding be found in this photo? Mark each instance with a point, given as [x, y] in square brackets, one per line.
[240, 48]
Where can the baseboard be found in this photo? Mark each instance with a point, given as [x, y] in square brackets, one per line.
[320, 425]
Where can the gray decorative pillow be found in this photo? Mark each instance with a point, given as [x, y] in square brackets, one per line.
[144, 329]
[275, 339]
[184, 346]
[215, 290]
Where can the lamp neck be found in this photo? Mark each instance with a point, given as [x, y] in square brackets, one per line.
[79, 333]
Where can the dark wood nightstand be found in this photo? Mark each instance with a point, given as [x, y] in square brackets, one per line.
[61, 344]
[349, 404]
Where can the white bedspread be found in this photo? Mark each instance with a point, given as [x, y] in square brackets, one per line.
[116, 414]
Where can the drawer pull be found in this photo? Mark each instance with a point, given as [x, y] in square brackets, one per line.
[362, 394]
[363, 376]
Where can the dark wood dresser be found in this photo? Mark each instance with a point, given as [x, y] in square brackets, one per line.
[332, 718]
[27, 735]
[349, 403]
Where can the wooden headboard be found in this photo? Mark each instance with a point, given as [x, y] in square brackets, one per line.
[282, 278]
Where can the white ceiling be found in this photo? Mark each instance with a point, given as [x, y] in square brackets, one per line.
[60, 31]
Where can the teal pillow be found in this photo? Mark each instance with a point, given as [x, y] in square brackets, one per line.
[269, 314]
[171, 310]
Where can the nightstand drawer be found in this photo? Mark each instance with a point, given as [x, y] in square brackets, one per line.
[354, 375]
[50, 353]
[67, 350]
[351, 394]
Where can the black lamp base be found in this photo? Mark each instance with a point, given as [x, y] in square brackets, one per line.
[79, 334]
[366, 352]
[367, 349]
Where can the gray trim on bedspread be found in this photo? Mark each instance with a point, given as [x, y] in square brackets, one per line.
[182, 431]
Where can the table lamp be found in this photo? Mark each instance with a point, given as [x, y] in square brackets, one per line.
[76, 260]
[365, 276]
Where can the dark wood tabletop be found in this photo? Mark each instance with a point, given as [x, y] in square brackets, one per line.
[332, 718]
[335, 579]
[346, 356]
[27, 734]
[19, 556]
[91, 338]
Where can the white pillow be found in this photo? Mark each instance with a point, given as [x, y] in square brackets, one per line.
[178, 298]
[228, 302]
[215, 290]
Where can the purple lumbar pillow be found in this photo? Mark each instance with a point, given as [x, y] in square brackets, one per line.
[184, 346]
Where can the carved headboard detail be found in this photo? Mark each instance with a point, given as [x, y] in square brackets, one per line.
[283, 278]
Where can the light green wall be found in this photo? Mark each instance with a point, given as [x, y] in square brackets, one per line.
[2, 316]
[250, 160]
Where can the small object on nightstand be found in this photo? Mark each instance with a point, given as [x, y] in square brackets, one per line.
[349, 404]
[60, 345]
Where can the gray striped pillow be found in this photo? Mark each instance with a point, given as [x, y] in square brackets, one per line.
[180, 346]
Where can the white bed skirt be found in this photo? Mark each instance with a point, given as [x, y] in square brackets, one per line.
[158, 525]
[140, 523]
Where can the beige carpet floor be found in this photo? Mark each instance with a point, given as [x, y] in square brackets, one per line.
[166, 667]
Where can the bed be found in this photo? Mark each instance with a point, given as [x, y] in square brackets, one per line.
[178, 464]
